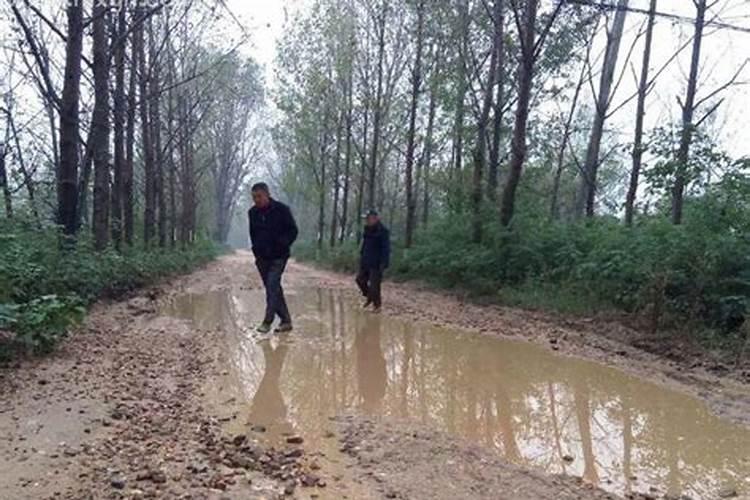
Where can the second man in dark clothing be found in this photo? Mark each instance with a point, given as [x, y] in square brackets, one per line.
[272, 232]
[375, 257]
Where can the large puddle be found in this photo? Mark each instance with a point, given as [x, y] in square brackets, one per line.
[536, 409]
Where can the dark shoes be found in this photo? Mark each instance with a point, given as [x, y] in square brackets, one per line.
[284, 328]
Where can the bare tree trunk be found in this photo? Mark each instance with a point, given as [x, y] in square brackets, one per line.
[7, 196]
[149, 215]
[128, 212]
[28, 181]
[461, 89]
[336, 184]
[160, 201]
[525, 82]
[378, 106]
[100, 127]
[567, 129]
[416, 84]
[588, 185]
[494, 164]
[688, 109]
[348, 161]
[640, 113]
[67, 174]
[429, 146]
[119, 45]
[480, 149]
[363, 172]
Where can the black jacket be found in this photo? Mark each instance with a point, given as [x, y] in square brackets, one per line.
[272, 231]
[376, 248]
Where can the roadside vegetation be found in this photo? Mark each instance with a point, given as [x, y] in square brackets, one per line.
[45, 289]
[694, 277]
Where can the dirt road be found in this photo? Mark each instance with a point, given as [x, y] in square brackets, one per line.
[155, 397]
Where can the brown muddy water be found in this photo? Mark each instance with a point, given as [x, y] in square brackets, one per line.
[537, 409]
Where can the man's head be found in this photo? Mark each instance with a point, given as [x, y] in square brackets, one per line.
[372, 218]
[261, 195]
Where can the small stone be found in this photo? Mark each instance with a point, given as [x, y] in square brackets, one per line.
[568, 458]
[289, 488]
[259, 428]
[295, 440]
[728, 493]
[239, 439]
[118, 483]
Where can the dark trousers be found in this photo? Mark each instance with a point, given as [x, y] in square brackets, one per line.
[369, 281]
[271, 272]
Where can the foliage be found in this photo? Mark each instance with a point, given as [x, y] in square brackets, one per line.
[44, 289]
[697, 272]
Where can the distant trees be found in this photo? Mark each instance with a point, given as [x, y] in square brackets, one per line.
[154, 80]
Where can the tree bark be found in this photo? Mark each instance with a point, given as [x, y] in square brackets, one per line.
[378, 107]
[336, 184]
[67, 174]
[159, 199]
[688, 109]
[119, 117]
[100, 127]
[128, 212]
[7, 196]
[525, 83]
[416, 84]
[494, 163]
[149, 214]
[429, 146]
[461, 89]
[480, 149]
[640, 113]
[348, 160]
[588, 185]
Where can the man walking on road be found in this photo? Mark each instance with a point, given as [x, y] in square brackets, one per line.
[272, 232]
[374, 259]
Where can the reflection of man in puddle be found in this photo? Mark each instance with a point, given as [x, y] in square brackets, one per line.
[268, 407]
[371, 373]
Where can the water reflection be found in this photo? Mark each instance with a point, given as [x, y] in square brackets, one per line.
[372, 378]
[267, 406]
[535, 408]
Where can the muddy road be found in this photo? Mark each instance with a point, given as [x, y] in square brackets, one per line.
[170, 394]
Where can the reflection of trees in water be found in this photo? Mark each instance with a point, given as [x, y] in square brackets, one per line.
[532, 406]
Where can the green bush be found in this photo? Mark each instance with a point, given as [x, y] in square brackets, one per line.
[44, 288]
[698, 271]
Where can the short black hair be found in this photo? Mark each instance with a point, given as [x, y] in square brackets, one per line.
[261, 186]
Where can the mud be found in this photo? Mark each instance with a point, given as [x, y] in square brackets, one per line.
[170, 394]
[534, 408]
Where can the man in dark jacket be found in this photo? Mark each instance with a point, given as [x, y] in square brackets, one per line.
[374, 259]
[272, 232]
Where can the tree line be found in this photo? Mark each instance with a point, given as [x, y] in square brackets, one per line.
[131, 119]
[479, 107]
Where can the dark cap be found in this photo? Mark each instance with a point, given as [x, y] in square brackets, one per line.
[372, 213]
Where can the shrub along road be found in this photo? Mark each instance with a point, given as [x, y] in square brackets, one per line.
[123, 409]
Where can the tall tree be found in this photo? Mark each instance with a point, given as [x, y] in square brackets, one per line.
[499, 107]
[416, 87]
[119, 47]
[688, 110]
[480, 147]
[526, 21]
[100, 127]
[378, 105]
[588, 186]
[643, 87]
[67, 174]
